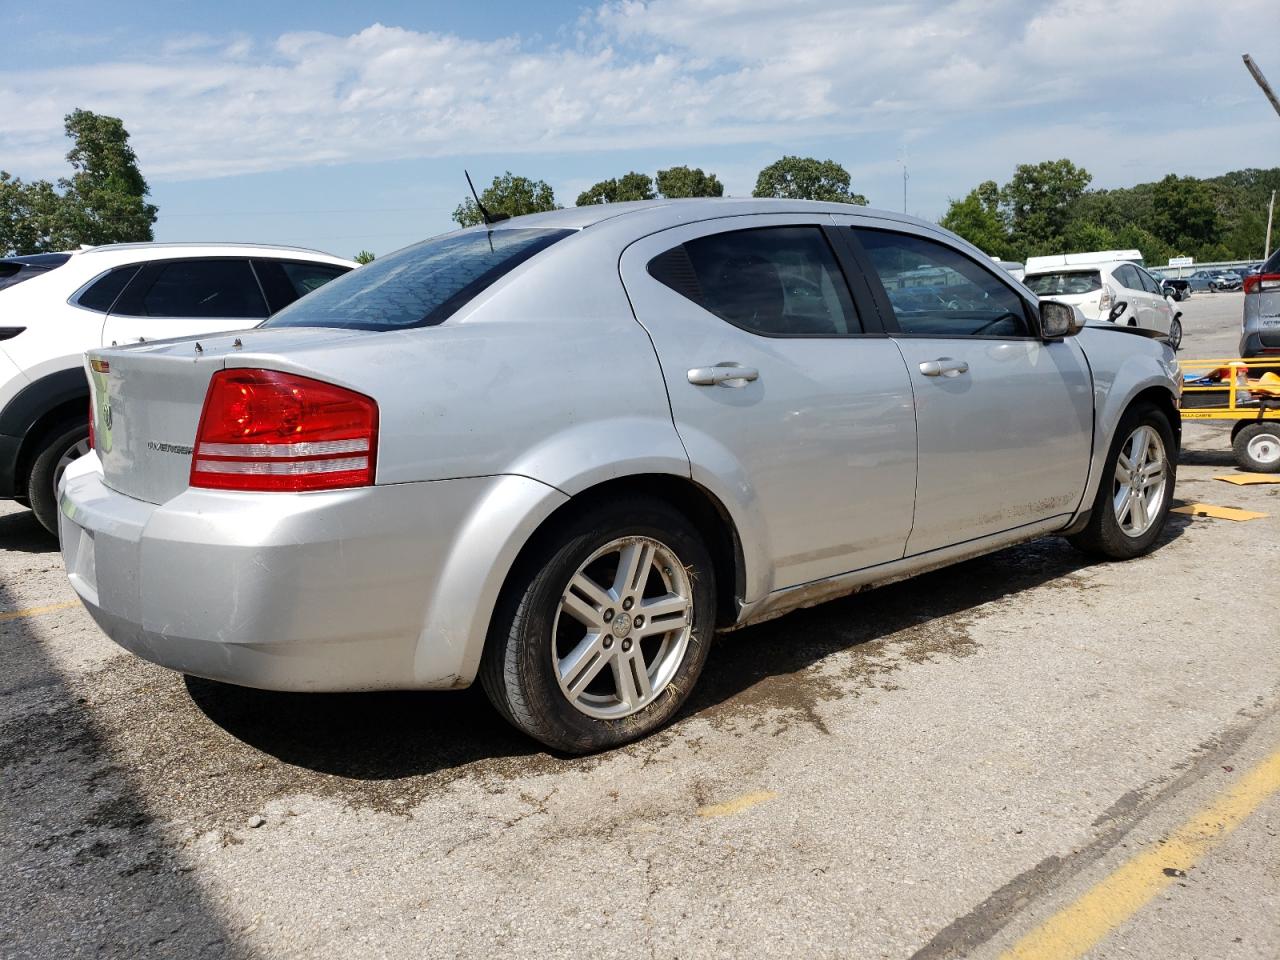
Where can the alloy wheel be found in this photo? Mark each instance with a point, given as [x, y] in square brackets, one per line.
[622, 627]
[1265, 448]
[1140, 479]
[72, 454]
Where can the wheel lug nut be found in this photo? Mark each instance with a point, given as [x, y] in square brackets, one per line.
[627, 603]
[608, 615]
[608, 642]
[639, 621]
[626, 645]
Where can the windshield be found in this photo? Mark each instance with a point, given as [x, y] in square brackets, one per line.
[1064, 283]
[418, 286]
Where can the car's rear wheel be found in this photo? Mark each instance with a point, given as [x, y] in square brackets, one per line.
[604, 628]
[1257, 447]
[1132, 504]
[61, 447]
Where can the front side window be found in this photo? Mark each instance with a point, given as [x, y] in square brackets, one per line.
[935, 290]
[774, 281]
[418, 286]
[1064, 283]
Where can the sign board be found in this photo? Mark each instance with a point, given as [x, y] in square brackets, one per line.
[1181, 261]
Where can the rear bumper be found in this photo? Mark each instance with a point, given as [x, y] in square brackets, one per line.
[323, 591]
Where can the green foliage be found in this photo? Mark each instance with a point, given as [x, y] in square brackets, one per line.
[1045, 208]
[103, 201]
[979, 220]
[688, 182]
[630, 186]
[363, 257]
[806, 178]
[509, 194]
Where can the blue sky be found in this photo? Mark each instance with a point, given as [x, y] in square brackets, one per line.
[346, 125]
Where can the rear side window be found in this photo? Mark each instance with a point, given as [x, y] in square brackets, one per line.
[285, 281]
[195, 289]
[774, 281]
[937, 291]
[101, 293]
[1067, 283]
[418, 286]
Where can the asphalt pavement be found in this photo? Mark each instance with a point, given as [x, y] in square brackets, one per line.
[1030, 754]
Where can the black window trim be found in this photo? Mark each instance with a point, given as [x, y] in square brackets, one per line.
[889, 318]
[149, 271]
[863, 308]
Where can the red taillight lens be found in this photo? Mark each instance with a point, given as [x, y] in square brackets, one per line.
[1262, 282]
[267, 430]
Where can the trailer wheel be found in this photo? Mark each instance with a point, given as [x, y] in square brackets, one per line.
[1257, 447]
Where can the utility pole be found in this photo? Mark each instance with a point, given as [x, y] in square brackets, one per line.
[1261, 81]
[1271, 210]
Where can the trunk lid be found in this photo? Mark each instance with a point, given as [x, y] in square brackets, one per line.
[147, 399]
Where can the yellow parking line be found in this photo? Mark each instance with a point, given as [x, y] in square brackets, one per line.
[1078, 927]
[738, 805]
[36, 611]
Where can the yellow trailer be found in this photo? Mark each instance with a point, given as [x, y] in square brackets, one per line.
[1246, 391]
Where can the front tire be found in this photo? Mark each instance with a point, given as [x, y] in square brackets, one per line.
[603, 628]
[1257, 447]
[1132, 504]
[62, 446]
[1175, 334]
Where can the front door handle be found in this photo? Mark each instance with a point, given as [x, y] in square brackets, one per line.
[726, 374]
[944, 367]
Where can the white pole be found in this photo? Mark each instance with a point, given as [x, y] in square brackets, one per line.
[1270, 213]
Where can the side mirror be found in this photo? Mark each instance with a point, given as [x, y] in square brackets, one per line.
[1057, 320]
[1117, 311]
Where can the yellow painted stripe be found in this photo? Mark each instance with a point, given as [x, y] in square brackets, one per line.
[1218, 513]
[738, 805]
[36, 611]
[1080, 926]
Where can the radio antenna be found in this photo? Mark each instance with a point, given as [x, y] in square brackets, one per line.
[484, 214]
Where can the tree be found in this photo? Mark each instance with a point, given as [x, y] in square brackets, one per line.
[1184, 214]
[1037, 201]
[688, 182]
[363, 257]
[979, 220]
[509, 194]
[630, 186]
[806, 178]
[103, 201]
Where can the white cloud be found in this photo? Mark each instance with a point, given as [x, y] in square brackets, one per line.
[637, 75]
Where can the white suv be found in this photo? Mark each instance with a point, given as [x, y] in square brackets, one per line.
[121, 294]
[1098, 287]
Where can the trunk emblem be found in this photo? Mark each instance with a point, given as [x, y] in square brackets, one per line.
[106, 415]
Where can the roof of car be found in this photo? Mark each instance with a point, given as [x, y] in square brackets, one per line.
[215, 248]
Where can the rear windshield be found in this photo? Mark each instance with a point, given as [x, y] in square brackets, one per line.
[1064, 283]
[418, 286]
[1272, 265]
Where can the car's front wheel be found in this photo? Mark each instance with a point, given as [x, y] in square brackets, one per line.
[60, 448]
[1175, 334]
[1132, 504]
[604, 628]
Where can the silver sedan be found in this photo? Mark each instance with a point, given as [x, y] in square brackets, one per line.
[558, 453]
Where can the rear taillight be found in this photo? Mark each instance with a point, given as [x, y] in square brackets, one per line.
[267, 430]
[1104, 301]
[1262, 283]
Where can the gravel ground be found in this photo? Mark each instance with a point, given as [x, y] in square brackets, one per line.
[928, 770]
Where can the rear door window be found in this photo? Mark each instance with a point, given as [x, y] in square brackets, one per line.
[195, 289]
[284, 281]
[1127, 275]
[773, 281]
[937, 291]
[421, 285]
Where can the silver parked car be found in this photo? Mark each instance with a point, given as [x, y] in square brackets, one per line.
[1260, 331]
[560, 452]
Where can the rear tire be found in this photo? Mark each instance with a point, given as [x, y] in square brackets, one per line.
[543, 670]
[64, 444]
[1257, 447]
[1106, 535]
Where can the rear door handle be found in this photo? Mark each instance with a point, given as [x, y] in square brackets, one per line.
[726, 374]
[944, 367]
